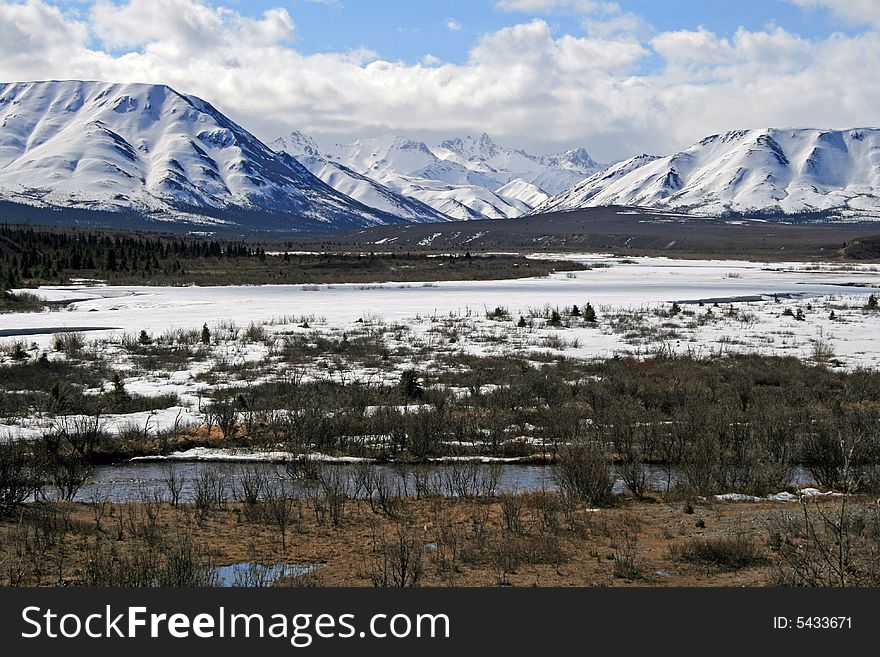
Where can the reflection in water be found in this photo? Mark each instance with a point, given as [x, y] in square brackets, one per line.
[251, 574]
[132, 482]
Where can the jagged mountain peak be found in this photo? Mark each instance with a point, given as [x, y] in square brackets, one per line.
[460, 172]
[470, 147]
[577, 159]
[297, 144]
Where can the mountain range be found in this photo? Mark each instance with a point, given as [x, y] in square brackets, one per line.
[151, 153]
[745, 172]
[462, 178]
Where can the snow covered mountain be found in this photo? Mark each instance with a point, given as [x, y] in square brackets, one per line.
[149, 150]
[464, 178]
[522, 191]
[768, 171]
[353, 184]
[552, 173]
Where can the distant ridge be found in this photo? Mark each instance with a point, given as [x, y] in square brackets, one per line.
[763, 173]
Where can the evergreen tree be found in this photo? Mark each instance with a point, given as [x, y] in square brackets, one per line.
[589, 313]
[120, 394]
[410, 387]
[18, 352]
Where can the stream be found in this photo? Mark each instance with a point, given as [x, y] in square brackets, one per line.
[131, 482]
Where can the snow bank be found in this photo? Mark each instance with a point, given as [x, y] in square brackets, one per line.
[777, 497]
[239, 455]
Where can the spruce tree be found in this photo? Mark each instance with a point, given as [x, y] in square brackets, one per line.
[410, 386]
[589, 313]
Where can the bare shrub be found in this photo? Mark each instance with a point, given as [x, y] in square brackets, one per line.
[583, 471]
[71, 343]
[511, 509]
[624, 542]
[389, 496]
[548, 507]
[20, 475]
[252, 484]
[827, 544]
[281, 510]
[210, 491]
[724, 552]
[395, 561]
[174, 484]
[334, 488]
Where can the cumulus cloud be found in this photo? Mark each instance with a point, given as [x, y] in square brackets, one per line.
[453, 25]
[618, 91]
[191, 24]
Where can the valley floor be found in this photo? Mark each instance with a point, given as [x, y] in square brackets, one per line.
[813, 311]
[734, 374]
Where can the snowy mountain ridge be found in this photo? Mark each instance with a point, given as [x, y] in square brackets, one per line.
[463, 178]
[150, 150]
[769, 171]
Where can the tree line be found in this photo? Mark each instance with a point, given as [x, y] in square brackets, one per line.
[30, 255]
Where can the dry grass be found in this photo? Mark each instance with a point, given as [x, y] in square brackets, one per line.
[538, 540]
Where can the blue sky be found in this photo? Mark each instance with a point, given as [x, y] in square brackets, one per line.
[618, 78]
[408, 30]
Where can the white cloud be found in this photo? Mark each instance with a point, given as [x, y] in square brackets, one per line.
[191, 24]
[453, 25]
[857, 11]
[615, 25]
[525, 84]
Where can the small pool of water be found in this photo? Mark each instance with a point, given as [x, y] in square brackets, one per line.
[250, 574]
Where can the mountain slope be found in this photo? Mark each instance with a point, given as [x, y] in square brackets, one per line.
[460, 177]
[524, 192]
[552, 173]
[150, 150]
[353, 184]
[770, 171]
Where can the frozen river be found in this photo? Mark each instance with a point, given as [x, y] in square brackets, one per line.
[643, 281]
